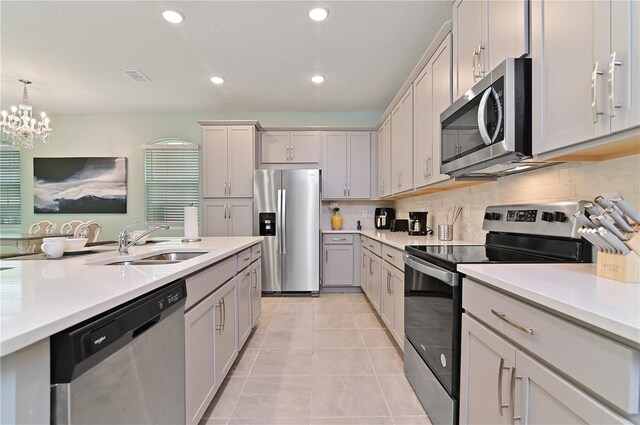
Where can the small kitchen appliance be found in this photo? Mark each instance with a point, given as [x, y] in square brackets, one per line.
[384, 216]
[418, 223]
[536, 233]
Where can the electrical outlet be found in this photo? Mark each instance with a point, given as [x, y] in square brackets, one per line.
[364, 213]
[466, 210]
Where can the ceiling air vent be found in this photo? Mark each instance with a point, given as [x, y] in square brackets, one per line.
[136, 75]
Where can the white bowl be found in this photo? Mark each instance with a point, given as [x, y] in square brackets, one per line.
[137, 233]
[74, 244]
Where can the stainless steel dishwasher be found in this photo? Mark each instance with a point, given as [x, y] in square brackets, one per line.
[125, 366]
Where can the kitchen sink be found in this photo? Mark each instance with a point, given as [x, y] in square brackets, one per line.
[143, 262]
[156, 259]
[174, 256]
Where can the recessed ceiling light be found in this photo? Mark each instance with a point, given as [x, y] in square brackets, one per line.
[173, 15]
[319, 13]
[217, 80]
[317, 79]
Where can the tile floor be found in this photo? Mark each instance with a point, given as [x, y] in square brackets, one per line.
[327, 360]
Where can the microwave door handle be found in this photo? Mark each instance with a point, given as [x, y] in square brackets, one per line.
[420, 266]
[496, 99]
[482, 113]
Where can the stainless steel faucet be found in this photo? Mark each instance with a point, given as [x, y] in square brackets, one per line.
[124, 242]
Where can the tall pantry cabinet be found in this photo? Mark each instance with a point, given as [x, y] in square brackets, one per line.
[228, 163]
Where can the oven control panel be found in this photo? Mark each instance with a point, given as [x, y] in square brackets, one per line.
[550, 219]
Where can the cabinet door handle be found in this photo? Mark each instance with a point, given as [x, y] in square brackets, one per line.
[480, 55]
[512, 394]
[594, 92]
[292, 152]
[370, 266]
[255, 280]
[429, 167]
[344, 190]
[229, 188]
[426, 171]
[225, 188]
[612, 85]
[287, 153]
[516, 325]
[364, 261]
[500, 369]
[390, 256]
[326, 256]
[225, 211]
[224, 313]
[219, 325]
[473, 65]
[349, 190]
[229, 213]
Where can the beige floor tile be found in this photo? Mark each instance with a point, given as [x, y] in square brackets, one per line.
[256, 339]
[271, 300]
[270, 421]
[332, 308]
[225, 400]
[302, 320]
[244, 362]
[377, 338]
[275, 362]
[363, 308]
[340, 396]
[289, 339]
[268, 308]
[213, 421]
[411, 420]
[352, 421]
[332, 298]
[275, 397]
[295, 308]
[334, 321]
[357, 298]
[264, 320]
[386, 361]
[341, 361]
[337, 338]
[368, 321]
[298, 300]
[401, 399]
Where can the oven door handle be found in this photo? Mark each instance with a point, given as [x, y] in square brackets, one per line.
[447, 277]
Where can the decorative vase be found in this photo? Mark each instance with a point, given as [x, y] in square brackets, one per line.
[336, 221]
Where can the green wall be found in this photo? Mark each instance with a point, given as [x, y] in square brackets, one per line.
[125, 134]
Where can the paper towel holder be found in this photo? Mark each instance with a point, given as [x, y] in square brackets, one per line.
[191, 239]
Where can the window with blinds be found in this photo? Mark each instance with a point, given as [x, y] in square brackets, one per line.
[171, 180]
[10, 187]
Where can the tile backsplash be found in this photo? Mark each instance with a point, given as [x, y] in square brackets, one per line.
[576, 180]
[352, 211]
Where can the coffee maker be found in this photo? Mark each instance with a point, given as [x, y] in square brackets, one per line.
[383, 218]
[418, 223]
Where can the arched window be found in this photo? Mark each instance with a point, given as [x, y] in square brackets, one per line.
[10, 201]
[171, 180]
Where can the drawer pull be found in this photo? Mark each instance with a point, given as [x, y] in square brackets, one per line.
[370, 246]
[390, 256]
[246, 259]
[338, 239]
[258, 252]
[518, 326]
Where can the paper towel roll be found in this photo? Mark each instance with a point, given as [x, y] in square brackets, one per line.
[190, 222]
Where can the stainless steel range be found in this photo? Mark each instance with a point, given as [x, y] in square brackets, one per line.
[543, 233]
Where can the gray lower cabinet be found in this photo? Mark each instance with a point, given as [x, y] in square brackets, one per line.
[226, 328]
[256, 291]
[245, 319]
[500, 383]
[339, 261]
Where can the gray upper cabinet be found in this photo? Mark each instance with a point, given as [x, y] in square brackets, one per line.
[347, 170]
[485, 33]
[281, 147]
[585, 72]
[402, 144]
[228, 161]
[432, 93]
[384, 158]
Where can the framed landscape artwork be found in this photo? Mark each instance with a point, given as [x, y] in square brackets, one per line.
[80, 185]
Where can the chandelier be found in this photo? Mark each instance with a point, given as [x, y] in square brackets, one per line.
[20, 128]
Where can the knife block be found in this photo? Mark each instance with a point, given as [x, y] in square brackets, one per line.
[623, 268]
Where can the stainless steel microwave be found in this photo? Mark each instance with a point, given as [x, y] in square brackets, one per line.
[488, 130]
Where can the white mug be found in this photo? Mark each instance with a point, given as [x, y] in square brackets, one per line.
[53, 247]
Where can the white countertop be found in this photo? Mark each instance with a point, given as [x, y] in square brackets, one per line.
[40, 298]
[398, 240]
[573, 291]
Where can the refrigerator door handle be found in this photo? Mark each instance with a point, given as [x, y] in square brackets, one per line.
[284, 221]
[279, 222]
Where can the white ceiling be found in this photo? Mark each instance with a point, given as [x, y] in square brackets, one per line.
[267, 50]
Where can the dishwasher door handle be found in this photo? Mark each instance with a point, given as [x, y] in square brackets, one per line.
[145, 326]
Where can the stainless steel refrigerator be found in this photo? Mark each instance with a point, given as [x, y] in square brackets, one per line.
[286, 209]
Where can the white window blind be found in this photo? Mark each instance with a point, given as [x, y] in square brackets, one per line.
[9, 187]
[172, 180]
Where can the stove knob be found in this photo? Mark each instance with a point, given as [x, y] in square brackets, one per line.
[547, 216]
[495, 216]
[487, 216]
[559, 216]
